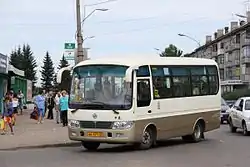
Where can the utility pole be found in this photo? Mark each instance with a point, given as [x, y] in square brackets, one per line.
[79, 38]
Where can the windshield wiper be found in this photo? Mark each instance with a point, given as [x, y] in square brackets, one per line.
[102, 104]
[75, 110]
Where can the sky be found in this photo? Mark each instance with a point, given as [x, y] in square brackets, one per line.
[128, 28]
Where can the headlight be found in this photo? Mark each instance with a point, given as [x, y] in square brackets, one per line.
[122, 125]
[74, 124]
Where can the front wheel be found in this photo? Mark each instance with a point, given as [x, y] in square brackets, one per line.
[147, 140]
[245, 130]
[91, 146]
[231, 126]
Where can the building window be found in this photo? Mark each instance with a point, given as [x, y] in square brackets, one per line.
[230, 73]
[237, 40]
[248, 33]
[222, 59]
[214, 48]
[237, 54]
[222, 74]
[246, 51]
[222, 45]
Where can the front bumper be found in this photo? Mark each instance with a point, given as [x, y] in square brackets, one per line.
[109, 135]
[224, 116]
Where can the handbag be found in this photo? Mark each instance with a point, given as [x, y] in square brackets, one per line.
[34, 114]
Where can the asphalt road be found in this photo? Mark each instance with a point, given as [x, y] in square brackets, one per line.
[220, 149]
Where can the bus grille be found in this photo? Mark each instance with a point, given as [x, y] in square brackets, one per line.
[95, 125]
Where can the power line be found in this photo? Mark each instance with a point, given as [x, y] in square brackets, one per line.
[127, 20]
[99, 3]
[99, 22]
[148, 28]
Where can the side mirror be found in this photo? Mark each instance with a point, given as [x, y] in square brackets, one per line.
[129, 72]
[60, 73]
[238, 108]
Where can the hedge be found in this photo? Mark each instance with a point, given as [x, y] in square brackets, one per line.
[236, 94]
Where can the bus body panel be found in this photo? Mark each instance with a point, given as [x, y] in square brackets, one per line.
[177, 117]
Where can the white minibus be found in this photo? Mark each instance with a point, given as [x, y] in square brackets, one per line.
[142, 101]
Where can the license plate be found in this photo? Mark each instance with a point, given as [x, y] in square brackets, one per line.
[95, 134]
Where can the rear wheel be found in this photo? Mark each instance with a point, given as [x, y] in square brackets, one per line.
[197, 135]
[92, 146]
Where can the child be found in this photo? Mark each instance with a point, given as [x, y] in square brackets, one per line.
[15, 107]
[7, 114]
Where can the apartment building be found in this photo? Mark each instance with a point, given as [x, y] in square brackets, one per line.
[230, 47]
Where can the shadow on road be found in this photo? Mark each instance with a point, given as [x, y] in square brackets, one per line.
[131, 148]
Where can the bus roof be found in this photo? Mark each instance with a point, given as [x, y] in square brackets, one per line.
[134, 61]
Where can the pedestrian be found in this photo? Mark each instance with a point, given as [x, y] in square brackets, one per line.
[40, 104]
[20, 97]
[45, 94]
[7, 114]
[58, 95]
[15, 102]
[63, 102]
[51, 104]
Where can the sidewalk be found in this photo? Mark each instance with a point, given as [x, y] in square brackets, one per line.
[28, 134]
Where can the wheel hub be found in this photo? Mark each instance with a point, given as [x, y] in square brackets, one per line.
[197, 132]
[146, 138]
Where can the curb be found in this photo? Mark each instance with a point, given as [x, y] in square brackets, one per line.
[75, 144]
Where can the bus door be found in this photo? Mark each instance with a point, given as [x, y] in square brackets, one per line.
[143, 92]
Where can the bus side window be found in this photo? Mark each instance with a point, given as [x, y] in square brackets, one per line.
[143, 93]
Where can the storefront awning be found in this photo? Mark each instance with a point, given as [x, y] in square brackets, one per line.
[16, 71]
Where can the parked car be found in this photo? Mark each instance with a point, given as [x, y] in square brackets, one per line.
[224, 111]
[239, 116]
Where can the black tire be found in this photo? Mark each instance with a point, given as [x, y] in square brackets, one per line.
[231, 126]
[197, 135]
[91, 146]
[245, 130]
[148, 140]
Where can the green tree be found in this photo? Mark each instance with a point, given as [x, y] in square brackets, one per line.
[63, 63]
[23, 59]
[29, 64]
[66, 78]
[47, 72]
[171, 51]
[16, 58]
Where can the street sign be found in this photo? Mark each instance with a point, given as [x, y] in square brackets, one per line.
[69, 46]
[69, 54]
[69, 58]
